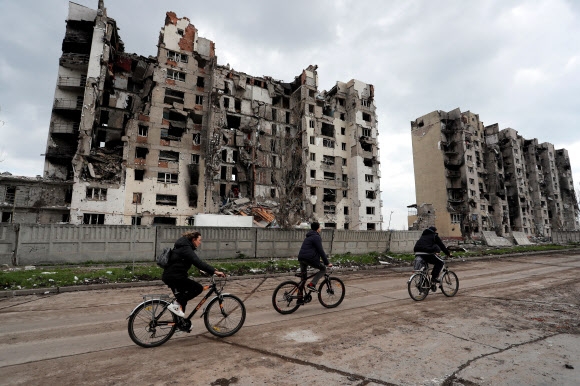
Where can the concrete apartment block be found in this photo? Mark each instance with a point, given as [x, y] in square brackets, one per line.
[474, 178]
[157, 140]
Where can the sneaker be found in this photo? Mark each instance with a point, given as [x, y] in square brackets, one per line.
[176, 309]
[311, 287]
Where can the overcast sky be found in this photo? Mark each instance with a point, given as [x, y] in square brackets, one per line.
[515, 63]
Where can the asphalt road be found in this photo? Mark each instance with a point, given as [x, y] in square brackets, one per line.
[514, 321]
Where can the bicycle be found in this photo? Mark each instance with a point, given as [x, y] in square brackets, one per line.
[420, 284]
[151, 324]
[286, 297]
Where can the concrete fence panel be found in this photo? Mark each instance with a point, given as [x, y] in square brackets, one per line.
[47, 244]
[217, 242]
[404, 241]
[564, 237]
[8, 244]
[358, 242]
[285, 242]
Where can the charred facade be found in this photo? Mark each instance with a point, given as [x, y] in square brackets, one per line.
[481, 178]
[157, 140]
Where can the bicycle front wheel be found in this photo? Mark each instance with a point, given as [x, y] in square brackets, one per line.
[285, 297]
[331, 292]
[225, 317]
[418, 287]
[151, 324]
[449, 284]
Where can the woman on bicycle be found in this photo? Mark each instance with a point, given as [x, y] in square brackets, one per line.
[427, 246]
[182, 257]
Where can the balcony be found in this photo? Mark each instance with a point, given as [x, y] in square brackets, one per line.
[64, 127]
[74, 61]
[67, 104]
[69, 82]
[453, 173]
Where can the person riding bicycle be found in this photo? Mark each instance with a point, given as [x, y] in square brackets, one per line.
[182, 257]
[427, 246]
[310, 254]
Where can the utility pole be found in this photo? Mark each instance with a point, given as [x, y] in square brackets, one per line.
[389, 226]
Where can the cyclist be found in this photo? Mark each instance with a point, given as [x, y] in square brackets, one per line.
[427, 246]
[310, 254]
[182, 257]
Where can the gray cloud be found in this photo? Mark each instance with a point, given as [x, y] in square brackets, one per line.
[516, 63]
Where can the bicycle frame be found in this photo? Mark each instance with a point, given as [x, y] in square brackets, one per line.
[303, 279]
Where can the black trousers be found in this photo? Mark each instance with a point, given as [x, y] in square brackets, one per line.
[304, 266]
[184, 290]
[437, 263]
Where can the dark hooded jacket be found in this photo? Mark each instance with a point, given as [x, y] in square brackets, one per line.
[429, 242]
[182, 258]
[311, 250]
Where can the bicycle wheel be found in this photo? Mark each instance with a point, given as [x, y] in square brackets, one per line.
[285, 297]
[151, 324]
[225, 318]
[418, 287]
[331, 292]
[449, 284]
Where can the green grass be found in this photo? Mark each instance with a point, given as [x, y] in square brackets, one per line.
[95, 273]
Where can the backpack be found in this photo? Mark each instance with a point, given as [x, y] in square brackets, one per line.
[419, 264]
[164, 257]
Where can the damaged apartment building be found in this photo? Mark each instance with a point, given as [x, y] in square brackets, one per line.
[157, 140]
[476, 178]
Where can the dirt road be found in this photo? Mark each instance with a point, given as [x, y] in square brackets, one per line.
[514, 321]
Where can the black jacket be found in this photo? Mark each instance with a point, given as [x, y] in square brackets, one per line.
[182, 258]
[430, 242]
[311, 250]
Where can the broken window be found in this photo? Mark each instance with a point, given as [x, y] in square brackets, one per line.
[273, 145]
[370, 210]
[370, 226]
[175, 75]
[313, 191]
[143, 131]
[199, 100]
[366, 146]
[328, 160]
[344, 178]
[346, 210]
[287, 117]
[176, 56]
[342, 118]
[312, 156]
[175, 116]
[166, 199]
[167, 178]
[196, 138]
[274, 161]
[200, 82]
[141, 152]
[233, 121]
[371, 194]
[368, 162]
[136, 220]
[137, 197]
[171, 156]
[10, 195]
[274, 114]
[164, 221]
[172, 96]
[327, 129]
[330, 225]
[238, 105]
[235, 156]
[180, 31]
[139, 175]
[99, 194]
[312, 140]
[311, 123]
[329, 176]
[343, 146]
[272, 192]
[195, 159]
[366, 117]
[6, 217]
[226, 103]
[366, 132]
[344, 162]
[234, 174]
[94, 218]
[345, 193]
[365, 102]
[368, 178]
[329, 195]
[172, 133]
[312, 173]
[224, 172]
[329, 209]
[311, 108]
[327, 143]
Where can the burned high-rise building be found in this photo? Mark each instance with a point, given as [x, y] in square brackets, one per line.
[157, 140]
[480, 178]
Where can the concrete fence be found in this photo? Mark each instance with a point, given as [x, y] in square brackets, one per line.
[565, 237]
[29, 244]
